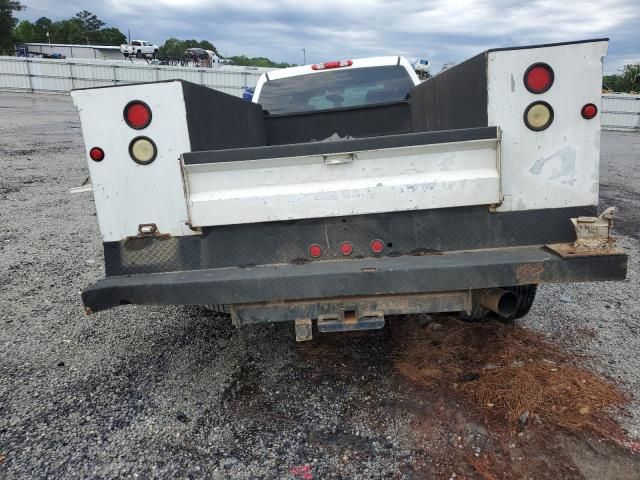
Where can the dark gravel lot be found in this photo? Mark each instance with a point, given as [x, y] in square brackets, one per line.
[166, 392]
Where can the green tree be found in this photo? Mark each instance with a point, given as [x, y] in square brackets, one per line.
[207, 45]
[110, 36]
[25, 32]
[243, 60]
[90, 24]
[68, 31]
[8, 22]
[627, 81]
[630, 81]
[41, 27]
[172, 47]
[175, 48]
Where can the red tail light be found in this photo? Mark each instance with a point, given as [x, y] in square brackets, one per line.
[137, 114]
[96, 154]
[315, 251]
[335, 64]
[346, 248]
[376, 246]
[538, 78]
[589, 111]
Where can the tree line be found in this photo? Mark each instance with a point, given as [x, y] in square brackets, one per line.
[85, 28]
[628, 80]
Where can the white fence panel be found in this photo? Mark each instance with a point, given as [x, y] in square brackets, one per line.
[50, 75]
[621, 111]
[15, 75]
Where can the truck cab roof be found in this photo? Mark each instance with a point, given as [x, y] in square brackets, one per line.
[319, 68]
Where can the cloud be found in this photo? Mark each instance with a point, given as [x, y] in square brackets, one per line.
[440, 30]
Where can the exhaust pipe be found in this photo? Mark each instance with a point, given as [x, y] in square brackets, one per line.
[499, 300]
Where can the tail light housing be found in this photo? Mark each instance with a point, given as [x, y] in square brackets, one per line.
[538, 78]
[589, 111]
[96, 154]
[315, 250]
[377, 246]
[538, 116]
[346, 248]
[334, 64]
[137, 114]
[143, 150]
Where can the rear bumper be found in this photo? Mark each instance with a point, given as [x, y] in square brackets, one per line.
[450, 271]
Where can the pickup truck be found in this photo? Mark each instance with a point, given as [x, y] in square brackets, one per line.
[348, 191]
[139, 48]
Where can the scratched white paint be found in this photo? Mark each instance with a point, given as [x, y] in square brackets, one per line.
[386, 180]
[558, 167]
[127, 194]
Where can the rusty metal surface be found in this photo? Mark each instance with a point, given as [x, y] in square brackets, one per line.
[451, 271]
[334, 309]
[304, 329]
[573, 250]
[149, 230]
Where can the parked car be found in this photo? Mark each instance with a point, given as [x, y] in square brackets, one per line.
[140, 48]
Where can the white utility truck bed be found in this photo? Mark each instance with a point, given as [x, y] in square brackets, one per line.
[349, 190]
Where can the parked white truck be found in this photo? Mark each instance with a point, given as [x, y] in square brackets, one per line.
[348, 191]
[139, 49]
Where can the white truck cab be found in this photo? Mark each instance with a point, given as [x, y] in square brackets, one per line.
[140, 48]
[348, 190]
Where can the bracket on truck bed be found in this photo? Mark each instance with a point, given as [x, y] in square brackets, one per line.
[593, 237]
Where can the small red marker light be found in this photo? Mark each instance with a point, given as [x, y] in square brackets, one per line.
[315, 251]
[96, 154]
[346, 248]
[137, 114]
[377, 246]
[538, 78]
[589, 111]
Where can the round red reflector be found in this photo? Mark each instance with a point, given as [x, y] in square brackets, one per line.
[589, 111]
[377, 246]
[96, 154]
[346, 248]
[315, 251]
[137, 114]
[538, 78]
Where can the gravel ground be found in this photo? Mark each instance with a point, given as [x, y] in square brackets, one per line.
[165, 392]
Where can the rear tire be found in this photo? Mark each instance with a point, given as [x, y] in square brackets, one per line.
[155, 54]
[526, 295]
[139, 54]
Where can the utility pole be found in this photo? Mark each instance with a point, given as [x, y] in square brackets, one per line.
[304, 56]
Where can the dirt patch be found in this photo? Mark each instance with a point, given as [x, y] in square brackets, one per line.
[538, 405]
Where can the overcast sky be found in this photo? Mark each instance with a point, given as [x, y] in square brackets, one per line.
[440, 30]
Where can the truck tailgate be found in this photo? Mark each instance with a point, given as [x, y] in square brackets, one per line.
[355, 176]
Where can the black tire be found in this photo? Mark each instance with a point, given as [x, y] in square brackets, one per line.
[526, 295]
[139, 54]
[155, 54]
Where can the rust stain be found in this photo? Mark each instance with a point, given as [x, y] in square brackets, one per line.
[571, 250]
[529, 273]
